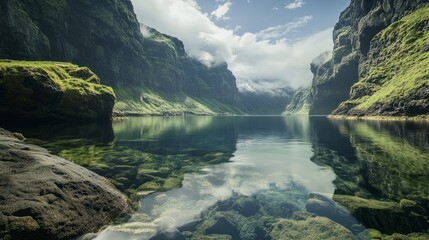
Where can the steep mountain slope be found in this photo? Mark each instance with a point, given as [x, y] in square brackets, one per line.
[357, 26]
[300, 103]
[302, 98]
[394, 79]
[106, 36]
[263, 103]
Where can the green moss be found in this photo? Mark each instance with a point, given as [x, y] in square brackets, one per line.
[412, 236]
[309, 229]
[50, 89]
[139, 101]
[397, 65]
[395, 167]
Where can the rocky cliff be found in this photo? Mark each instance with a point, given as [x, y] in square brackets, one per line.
[357, 27]
[106, 36]
[300, 103]
[393, 79]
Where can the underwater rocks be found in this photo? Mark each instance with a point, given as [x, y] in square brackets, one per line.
[52, 91]
[43, 196]
[387, 217]
[310, 227]
[379, 217]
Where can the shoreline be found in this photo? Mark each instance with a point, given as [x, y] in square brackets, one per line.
[421, 118]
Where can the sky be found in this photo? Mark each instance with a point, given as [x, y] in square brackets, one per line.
[267, 44]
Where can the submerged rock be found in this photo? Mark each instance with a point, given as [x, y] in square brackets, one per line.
[310, 228]
[387, 217]
[43, 196]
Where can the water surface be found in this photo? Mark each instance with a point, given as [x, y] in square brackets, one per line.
[234, 177]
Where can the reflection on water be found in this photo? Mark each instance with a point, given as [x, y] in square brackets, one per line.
[256, 177]
[261, 163]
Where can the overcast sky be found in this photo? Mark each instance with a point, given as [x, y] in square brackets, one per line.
[268, 44]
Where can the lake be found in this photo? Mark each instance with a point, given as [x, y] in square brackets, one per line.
[251, 177]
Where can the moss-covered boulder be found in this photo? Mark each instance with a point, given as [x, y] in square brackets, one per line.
[387, 217]
[309, 228]
[52, 91]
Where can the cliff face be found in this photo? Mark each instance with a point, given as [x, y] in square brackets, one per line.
[302, 98]
[393, 79]
[172, 70]
[300, 103]
[102, 34]
[106, 36]
[357, 27]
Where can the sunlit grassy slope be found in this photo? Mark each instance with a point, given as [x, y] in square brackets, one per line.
[395, 78]
[139, 101]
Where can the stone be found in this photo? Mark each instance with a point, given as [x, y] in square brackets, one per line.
[309, 229]
[387, 217]
[43, 196]
[47, 91]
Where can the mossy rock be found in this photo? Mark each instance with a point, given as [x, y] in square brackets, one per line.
[387, 217]
[172, 183]
[215, 237]
[411, 236]
[52, 91]
[309, 229]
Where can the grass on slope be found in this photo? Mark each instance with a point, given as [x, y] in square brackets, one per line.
[402, 64]
[66, 76]
[139, 101]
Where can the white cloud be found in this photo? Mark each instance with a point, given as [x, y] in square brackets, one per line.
[221, 11]
[295, 4]
[281, 31]
[193, 3]
[275, 9]
[258, 64]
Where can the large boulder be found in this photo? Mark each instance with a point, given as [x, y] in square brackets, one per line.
[46, 197]
[52, 91]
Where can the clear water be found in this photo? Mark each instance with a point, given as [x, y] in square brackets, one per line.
[234, 177]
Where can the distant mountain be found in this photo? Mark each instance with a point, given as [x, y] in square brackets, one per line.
[263, 103]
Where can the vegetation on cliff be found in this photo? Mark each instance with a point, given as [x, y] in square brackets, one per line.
[52, 91]
[107, 38]
[300, 103]
[138, 101]
[394, 79]
[357, 27]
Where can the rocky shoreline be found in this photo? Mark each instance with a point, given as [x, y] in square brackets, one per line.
[422, 118]
[43, 196]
